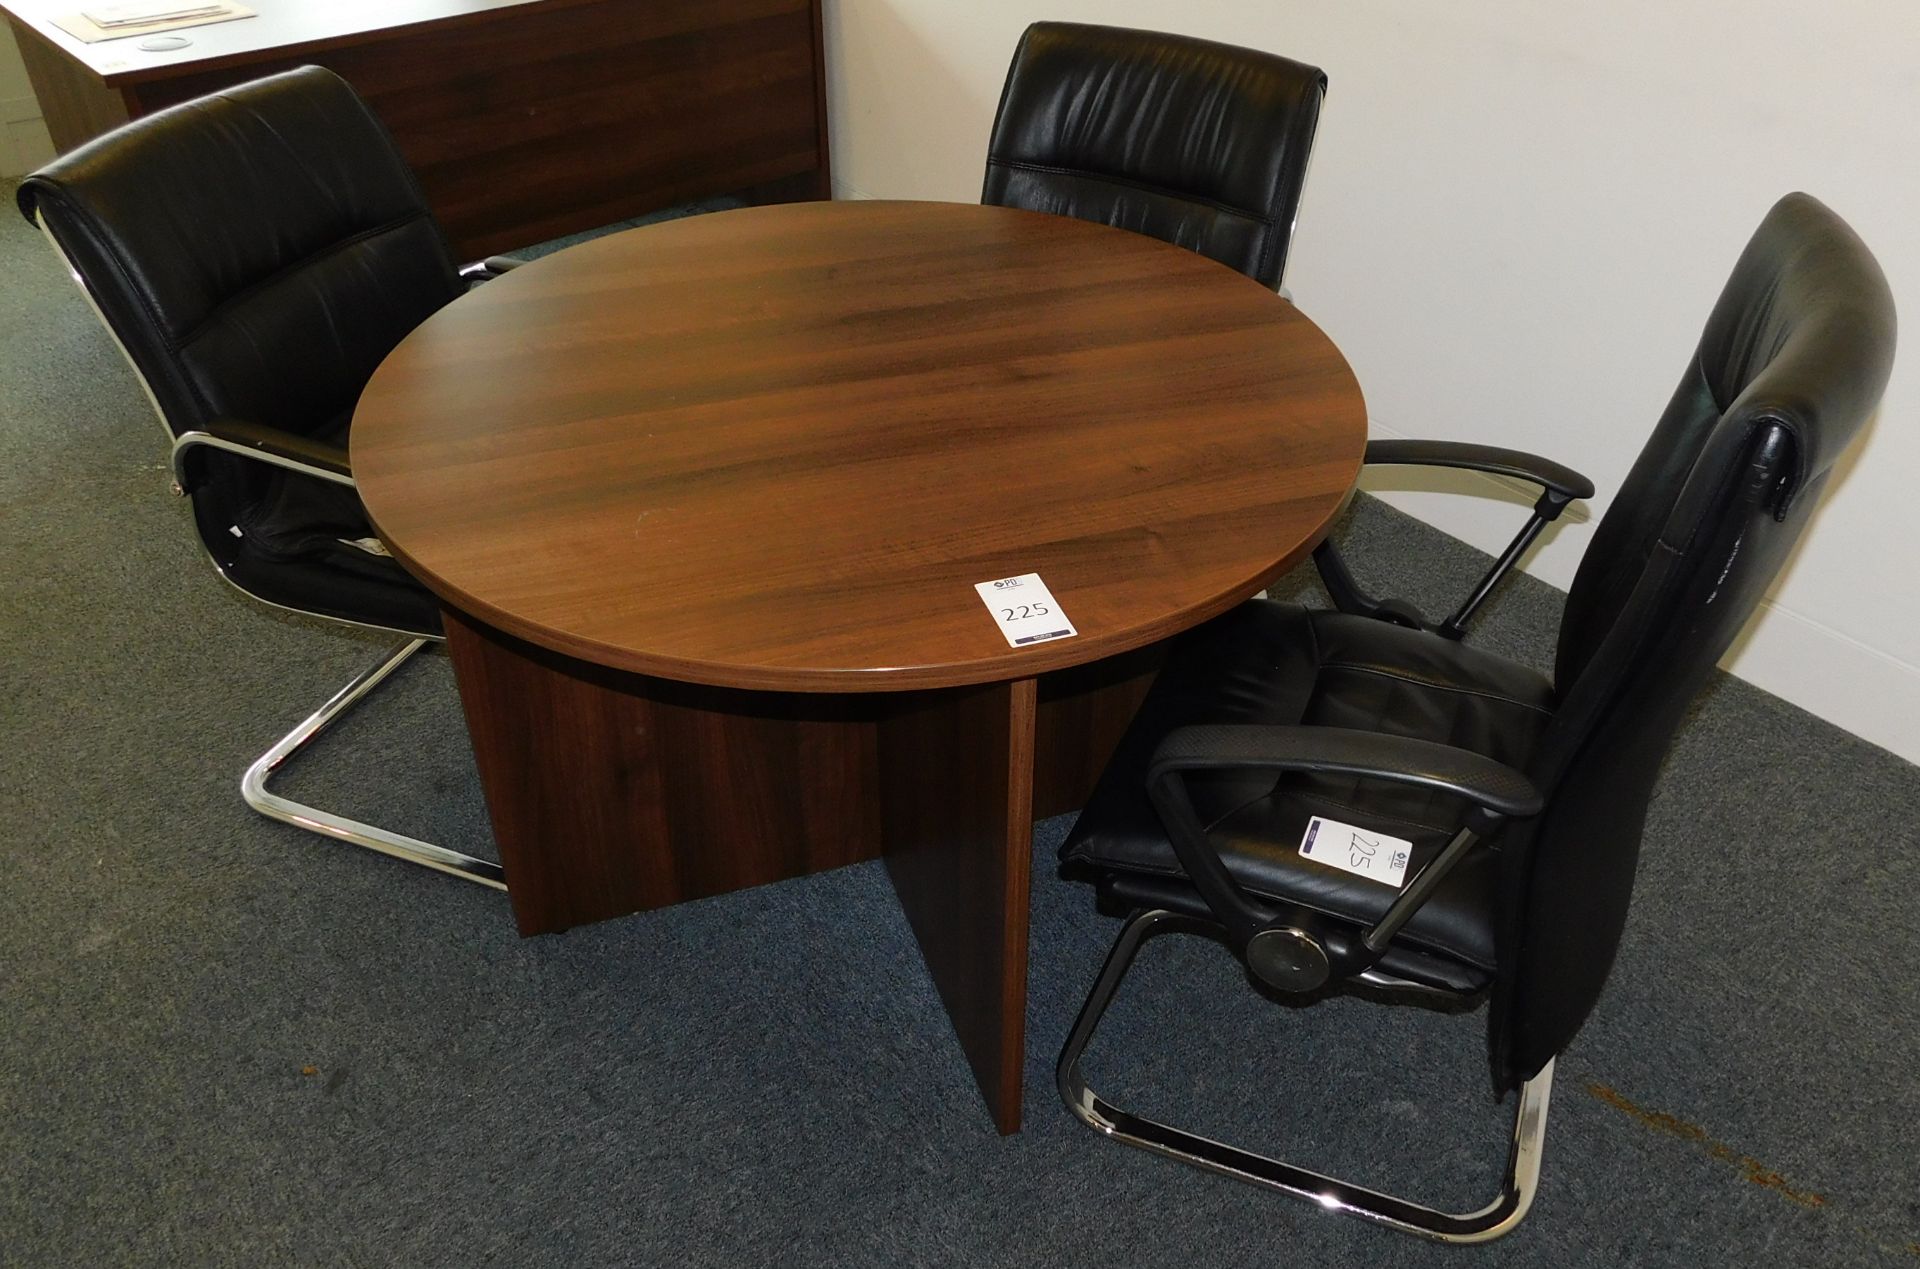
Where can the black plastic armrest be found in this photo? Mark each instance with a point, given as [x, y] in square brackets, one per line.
[1497, 792]
[1493, 460]
[1491, 785]
[266, 444]
[1559, 486]
[488, 269]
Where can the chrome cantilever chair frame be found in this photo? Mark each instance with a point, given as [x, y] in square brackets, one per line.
[253, 784]
[1517, 1187]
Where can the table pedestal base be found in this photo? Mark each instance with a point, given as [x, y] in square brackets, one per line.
[613, 793]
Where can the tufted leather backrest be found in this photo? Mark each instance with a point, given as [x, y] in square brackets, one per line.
[257, 251]
[1196, 143]
[1791, 366]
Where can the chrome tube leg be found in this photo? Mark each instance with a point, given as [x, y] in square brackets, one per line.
[1496, 1218]
[253, 786]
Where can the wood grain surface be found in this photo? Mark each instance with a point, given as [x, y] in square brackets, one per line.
[956, 810]
[706, 504]
[775, 448]
[524, 121]
[277, 28]
[612, 793]
[533, 121]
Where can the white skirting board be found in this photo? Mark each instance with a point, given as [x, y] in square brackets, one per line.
[24, 143]
[1825, 672]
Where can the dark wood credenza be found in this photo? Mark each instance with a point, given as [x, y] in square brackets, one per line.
[525, 119]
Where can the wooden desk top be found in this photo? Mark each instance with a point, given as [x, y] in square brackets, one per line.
[776, 448]
[278, 29]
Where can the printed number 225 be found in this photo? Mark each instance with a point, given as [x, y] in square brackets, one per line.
[1024, 610]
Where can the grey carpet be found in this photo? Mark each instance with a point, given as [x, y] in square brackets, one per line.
[227, 1042]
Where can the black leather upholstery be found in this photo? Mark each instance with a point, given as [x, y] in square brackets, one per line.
[258, 252]
[1275, 663]
[1200, 144]
[1792, 363]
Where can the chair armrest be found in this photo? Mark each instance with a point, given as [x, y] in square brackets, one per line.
[266, 444]
[1296, 949]
[1493, 460]
[1559, 486]
[1491, 785]
[488, 269]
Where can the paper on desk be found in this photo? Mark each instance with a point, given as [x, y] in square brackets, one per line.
[87, 31]
[148, 11]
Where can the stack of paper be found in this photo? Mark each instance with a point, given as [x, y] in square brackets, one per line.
[131, 19]
[149, 12]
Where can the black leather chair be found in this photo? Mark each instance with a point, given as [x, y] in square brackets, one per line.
[256, 253]
[1523, 797]
[1196, 143]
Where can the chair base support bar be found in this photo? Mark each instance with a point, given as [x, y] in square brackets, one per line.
[253, 786]
[1496, 1218]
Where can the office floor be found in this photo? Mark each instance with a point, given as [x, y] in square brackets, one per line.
[226, 1042]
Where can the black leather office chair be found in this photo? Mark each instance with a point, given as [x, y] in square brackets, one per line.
[1523, 797]
[1196, 143]
[256, 253]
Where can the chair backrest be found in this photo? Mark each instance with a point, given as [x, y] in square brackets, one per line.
[1791, 366]
[1196, 143]
[257, 252]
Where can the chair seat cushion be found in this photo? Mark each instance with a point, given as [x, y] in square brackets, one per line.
[1272, 663]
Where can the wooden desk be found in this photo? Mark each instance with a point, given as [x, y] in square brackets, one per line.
[706, 503]
[525, 119]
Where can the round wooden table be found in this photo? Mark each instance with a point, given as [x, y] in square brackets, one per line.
[706, 503]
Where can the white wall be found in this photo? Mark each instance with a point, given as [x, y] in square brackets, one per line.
[1518, 216]
[24, 144]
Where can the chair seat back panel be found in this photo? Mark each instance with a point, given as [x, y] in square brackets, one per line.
[1186, 140]
[344, 310]
[258, 252]
[274, 224]
[1234, 238]
[1801, 335]
[1799, 346]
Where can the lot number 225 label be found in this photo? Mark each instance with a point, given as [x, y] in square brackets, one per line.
[1360, 851]
[1025, 610]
